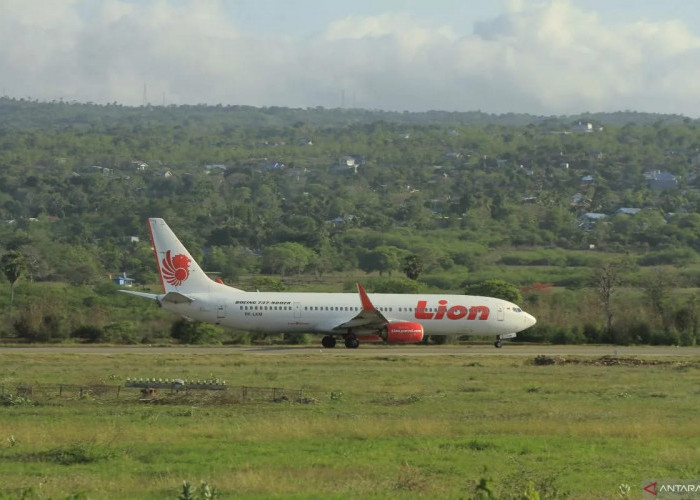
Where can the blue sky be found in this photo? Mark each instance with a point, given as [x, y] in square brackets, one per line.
[543, 57]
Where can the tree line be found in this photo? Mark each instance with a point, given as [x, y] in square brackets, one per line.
[442, 201]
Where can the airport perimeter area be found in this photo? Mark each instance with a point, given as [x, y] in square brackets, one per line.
[398, 422]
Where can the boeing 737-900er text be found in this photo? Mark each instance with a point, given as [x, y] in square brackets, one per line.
[355, 318]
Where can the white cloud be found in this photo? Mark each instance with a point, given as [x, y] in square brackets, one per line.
[546, 57]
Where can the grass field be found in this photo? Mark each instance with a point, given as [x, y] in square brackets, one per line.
[376, 426]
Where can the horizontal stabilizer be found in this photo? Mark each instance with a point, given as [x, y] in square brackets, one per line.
[152, 296]
[176, 298]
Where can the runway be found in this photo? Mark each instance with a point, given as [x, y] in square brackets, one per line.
[508, 350]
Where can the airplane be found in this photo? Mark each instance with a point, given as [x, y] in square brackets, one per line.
[354, 318]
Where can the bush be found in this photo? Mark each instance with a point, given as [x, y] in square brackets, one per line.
[671, 256]
[37, 324]
[393, 285]
[592, 333]
[564, 335]
[267, 284]
[297, 338]
[552, 257]
[123, 331]
[452, 281]
[92, 334]
[195, 332]
[204, 492]
[639, 332]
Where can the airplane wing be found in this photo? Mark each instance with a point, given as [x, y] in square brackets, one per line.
[174, 297]
[369, 317]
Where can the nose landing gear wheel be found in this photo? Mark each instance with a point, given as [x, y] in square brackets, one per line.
[498, 344]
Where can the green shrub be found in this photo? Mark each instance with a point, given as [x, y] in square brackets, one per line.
[393, 285]
[564, 335]
[122, 332]
[297, 338]
[670, 256]
[90, 333]
[195, 332]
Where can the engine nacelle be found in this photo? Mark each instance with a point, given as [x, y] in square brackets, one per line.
[403, 332]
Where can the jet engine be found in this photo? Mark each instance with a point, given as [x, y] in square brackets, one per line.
[403, 332]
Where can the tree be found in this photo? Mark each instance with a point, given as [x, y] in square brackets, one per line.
[287, 258]
[496, 288]
[384, 259]
[657, 289]
[13, 266]
[393, 285]
[412, 266]
[605, 279]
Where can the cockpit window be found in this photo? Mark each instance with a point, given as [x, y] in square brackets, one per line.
[517, 309]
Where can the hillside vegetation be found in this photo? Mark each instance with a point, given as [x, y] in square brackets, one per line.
[598, 225]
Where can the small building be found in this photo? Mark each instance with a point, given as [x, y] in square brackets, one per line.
[582, 127]
[589, 220]
[347, 164]
[661, 180]
[339, 221]
[216, 167]
[123, 280]
[577, 198]
[628, 211]
[271, 166]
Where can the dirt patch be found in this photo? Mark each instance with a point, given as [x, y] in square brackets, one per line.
[543, 360]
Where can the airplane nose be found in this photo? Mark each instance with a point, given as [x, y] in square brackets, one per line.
[529, 320]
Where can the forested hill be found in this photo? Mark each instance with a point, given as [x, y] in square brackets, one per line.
[24, 114]
[298, 196]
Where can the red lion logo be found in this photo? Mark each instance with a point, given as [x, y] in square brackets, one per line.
[176, 269]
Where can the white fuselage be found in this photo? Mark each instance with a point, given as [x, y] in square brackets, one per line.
[281, 312]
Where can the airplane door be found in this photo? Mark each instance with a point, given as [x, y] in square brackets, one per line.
[500, 314]
[221, 311]
[297, 309]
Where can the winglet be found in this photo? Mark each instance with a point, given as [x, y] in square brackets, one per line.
[366, 303]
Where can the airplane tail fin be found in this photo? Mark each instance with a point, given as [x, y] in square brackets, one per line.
[178, 271]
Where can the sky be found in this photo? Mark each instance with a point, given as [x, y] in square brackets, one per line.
[544, 57]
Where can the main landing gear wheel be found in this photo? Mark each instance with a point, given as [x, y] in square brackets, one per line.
[328, 341]
[351, 342]
[498, 344]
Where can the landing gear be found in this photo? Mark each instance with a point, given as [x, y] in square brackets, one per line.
[328, 341]
[351, 342]
[502, 336]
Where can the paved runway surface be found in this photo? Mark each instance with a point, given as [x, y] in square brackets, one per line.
[370, 350]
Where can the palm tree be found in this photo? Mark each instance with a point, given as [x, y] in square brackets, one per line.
[13, 264]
